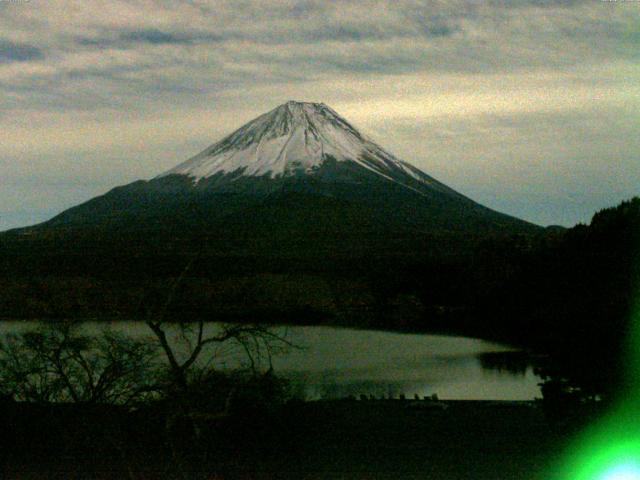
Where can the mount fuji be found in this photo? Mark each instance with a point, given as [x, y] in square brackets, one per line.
[301, 140]
[299, 178]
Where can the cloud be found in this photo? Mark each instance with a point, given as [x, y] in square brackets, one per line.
[131, 38]
[18, 52]
[245, 44]
[155, 37]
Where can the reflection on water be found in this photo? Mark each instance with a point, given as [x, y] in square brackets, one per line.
[341, 362]
[514, 363]
[336, 363]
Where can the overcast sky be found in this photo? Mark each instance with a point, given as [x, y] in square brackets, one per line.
[531, 107]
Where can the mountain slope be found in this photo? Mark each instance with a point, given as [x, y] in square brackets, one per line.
[298, 151]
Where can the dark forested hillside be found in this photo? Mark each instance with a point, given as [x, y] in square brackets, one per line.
[573, 296]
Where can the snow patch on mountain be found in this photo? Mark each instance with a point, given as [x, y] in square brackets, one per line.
[294, 138]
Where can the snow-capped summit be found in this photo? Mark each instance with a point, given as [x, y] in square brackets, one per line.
[296, 139]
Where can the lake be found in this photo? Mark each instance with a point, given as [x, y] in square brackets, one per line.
[339, 362]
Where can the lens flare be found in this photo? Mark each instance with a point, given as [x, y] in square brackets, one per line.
[622, 472]
[604, 457]
[610, 449]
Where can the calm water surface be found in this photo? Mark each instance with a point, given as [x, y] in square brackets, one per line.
[336, 362]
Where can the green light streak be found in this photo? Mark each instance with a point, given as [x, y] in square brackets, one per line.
[605, 457]
[610, 450]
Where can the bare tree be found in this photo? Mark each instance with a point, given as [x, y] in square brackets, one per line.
[259, 343]
[187, 422]
[58, 363]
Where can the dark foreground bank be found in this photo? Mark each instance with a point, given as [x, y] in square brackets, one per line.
[348, 439]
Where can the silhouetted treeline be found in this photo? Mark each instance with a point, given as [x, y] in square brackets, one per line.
[396, 280]
[573, 297]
